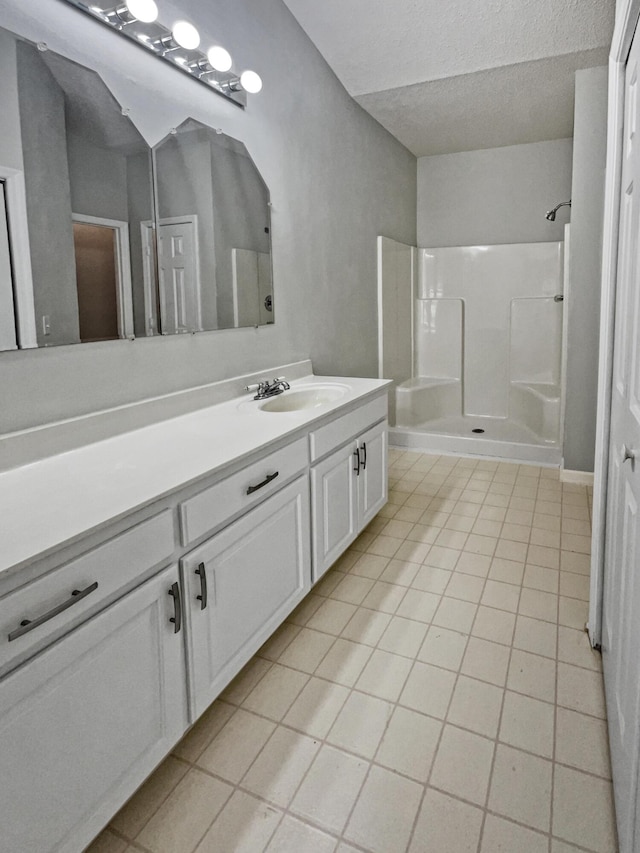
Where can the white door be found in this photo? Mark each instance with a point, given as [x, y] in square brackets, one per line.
[85, 722]
[372, 480]
[179, 275]
[8, 339]
[621, 604]
[334, 507]
[241, 584]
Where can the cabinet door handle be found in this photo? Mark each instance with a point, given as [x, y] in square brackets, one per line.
[202, 598]
[364, 459]
[356, 453]
[265, 482]
[29, 624]
[176, 619]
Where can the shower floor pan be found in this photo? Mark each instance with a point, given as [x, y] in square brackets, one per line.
[502, 438]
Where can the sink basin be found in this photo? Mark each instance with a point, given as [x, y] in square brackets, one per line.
[301, 398]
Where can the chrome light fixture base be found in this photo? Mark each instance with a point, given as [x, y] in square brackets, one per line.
[160, 42]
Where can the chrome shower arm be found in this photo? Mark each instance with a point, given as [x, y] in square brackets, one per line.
[551, 214]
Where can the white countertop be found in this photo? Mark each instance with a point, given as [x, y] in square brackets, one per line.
[53, 501]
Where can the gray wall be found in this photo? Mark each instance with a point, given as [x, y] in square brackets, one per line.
[497, 195]
[336, 178]
[585, 266]
[98, 179]
[44, 149]
[10, 138]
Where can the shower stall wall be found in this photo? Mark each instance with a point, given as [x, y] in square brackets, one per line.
[487, 353]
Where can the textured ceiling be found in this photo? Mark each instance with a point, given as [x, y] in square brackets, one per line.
[462, 74]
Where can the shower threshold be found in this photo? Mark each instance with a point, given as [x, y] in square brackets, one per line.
[502, 439]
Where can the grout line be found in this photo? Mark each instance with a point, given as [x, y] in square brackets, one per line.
[555, 718]
[496, 743]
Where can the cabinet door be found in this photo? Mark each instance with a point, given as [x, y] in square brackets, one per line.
[372, 482]
[334, 504]
[85, 722]
[241, 585]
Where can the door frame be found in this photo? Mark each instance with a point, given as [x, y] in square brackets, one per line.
[18, 225]
[627, 16]
[149, 276]
[124, 289]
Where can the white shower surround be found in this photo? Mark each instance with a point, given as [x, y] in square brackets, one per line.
[487, 353]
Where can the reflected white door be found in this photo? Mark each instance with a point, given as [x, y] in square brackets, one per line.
[179, 275]
[8, 338]
[621, 610]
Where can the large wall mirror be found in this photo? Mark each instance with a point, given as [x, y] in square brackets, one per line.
[123, 240]
[214, 258]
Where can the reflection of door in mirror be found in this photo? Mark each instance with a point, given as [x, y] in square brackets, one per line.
[103, 278]
[8, 338]
[178, 274]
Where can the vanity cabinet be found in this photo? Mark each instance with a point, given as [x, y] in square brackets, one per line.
[241, 584]
[347, 490]
[111, 646]
[84, 722]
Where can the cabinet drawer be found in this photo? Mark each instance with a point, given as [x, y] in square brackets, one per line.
[214, 506]
[332, 435]
[99, 574]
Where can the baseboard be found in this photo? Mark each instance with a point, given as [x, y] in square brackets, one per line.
[584, 478]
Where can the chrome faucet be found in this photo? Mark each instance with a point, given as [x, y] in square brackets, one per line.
[269, 389]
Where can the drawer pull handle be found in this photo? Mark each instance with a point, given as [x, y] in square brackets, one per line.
[364, 458]
[356, 453]
[29, 624]
[265, 482]
[174, 592]
[202, 598]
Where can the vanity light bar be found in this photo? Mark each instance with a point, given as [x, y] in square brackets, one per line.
[137, 20]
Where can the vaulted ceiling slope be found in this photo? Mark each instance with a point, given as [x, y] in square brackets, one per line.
[457, 75]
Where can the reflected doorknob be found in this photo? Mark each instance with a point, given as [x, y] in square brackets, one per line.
[628, 453]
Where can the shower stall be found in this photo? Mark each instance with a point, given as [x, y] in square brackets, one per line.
[473, 337]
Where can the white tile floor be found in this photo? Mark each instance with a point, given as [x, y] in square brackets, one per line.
[435, 693]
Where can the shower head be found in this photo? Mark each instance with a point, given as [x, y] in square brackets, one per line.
[551, 214]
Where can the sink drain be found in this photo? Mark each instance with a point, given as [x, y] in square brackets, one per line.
[477, 430]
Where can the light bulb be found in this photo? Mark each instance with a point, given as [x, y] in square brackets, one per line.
[186, 35]
[143, 10]
[219, 58]
[251, 82]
